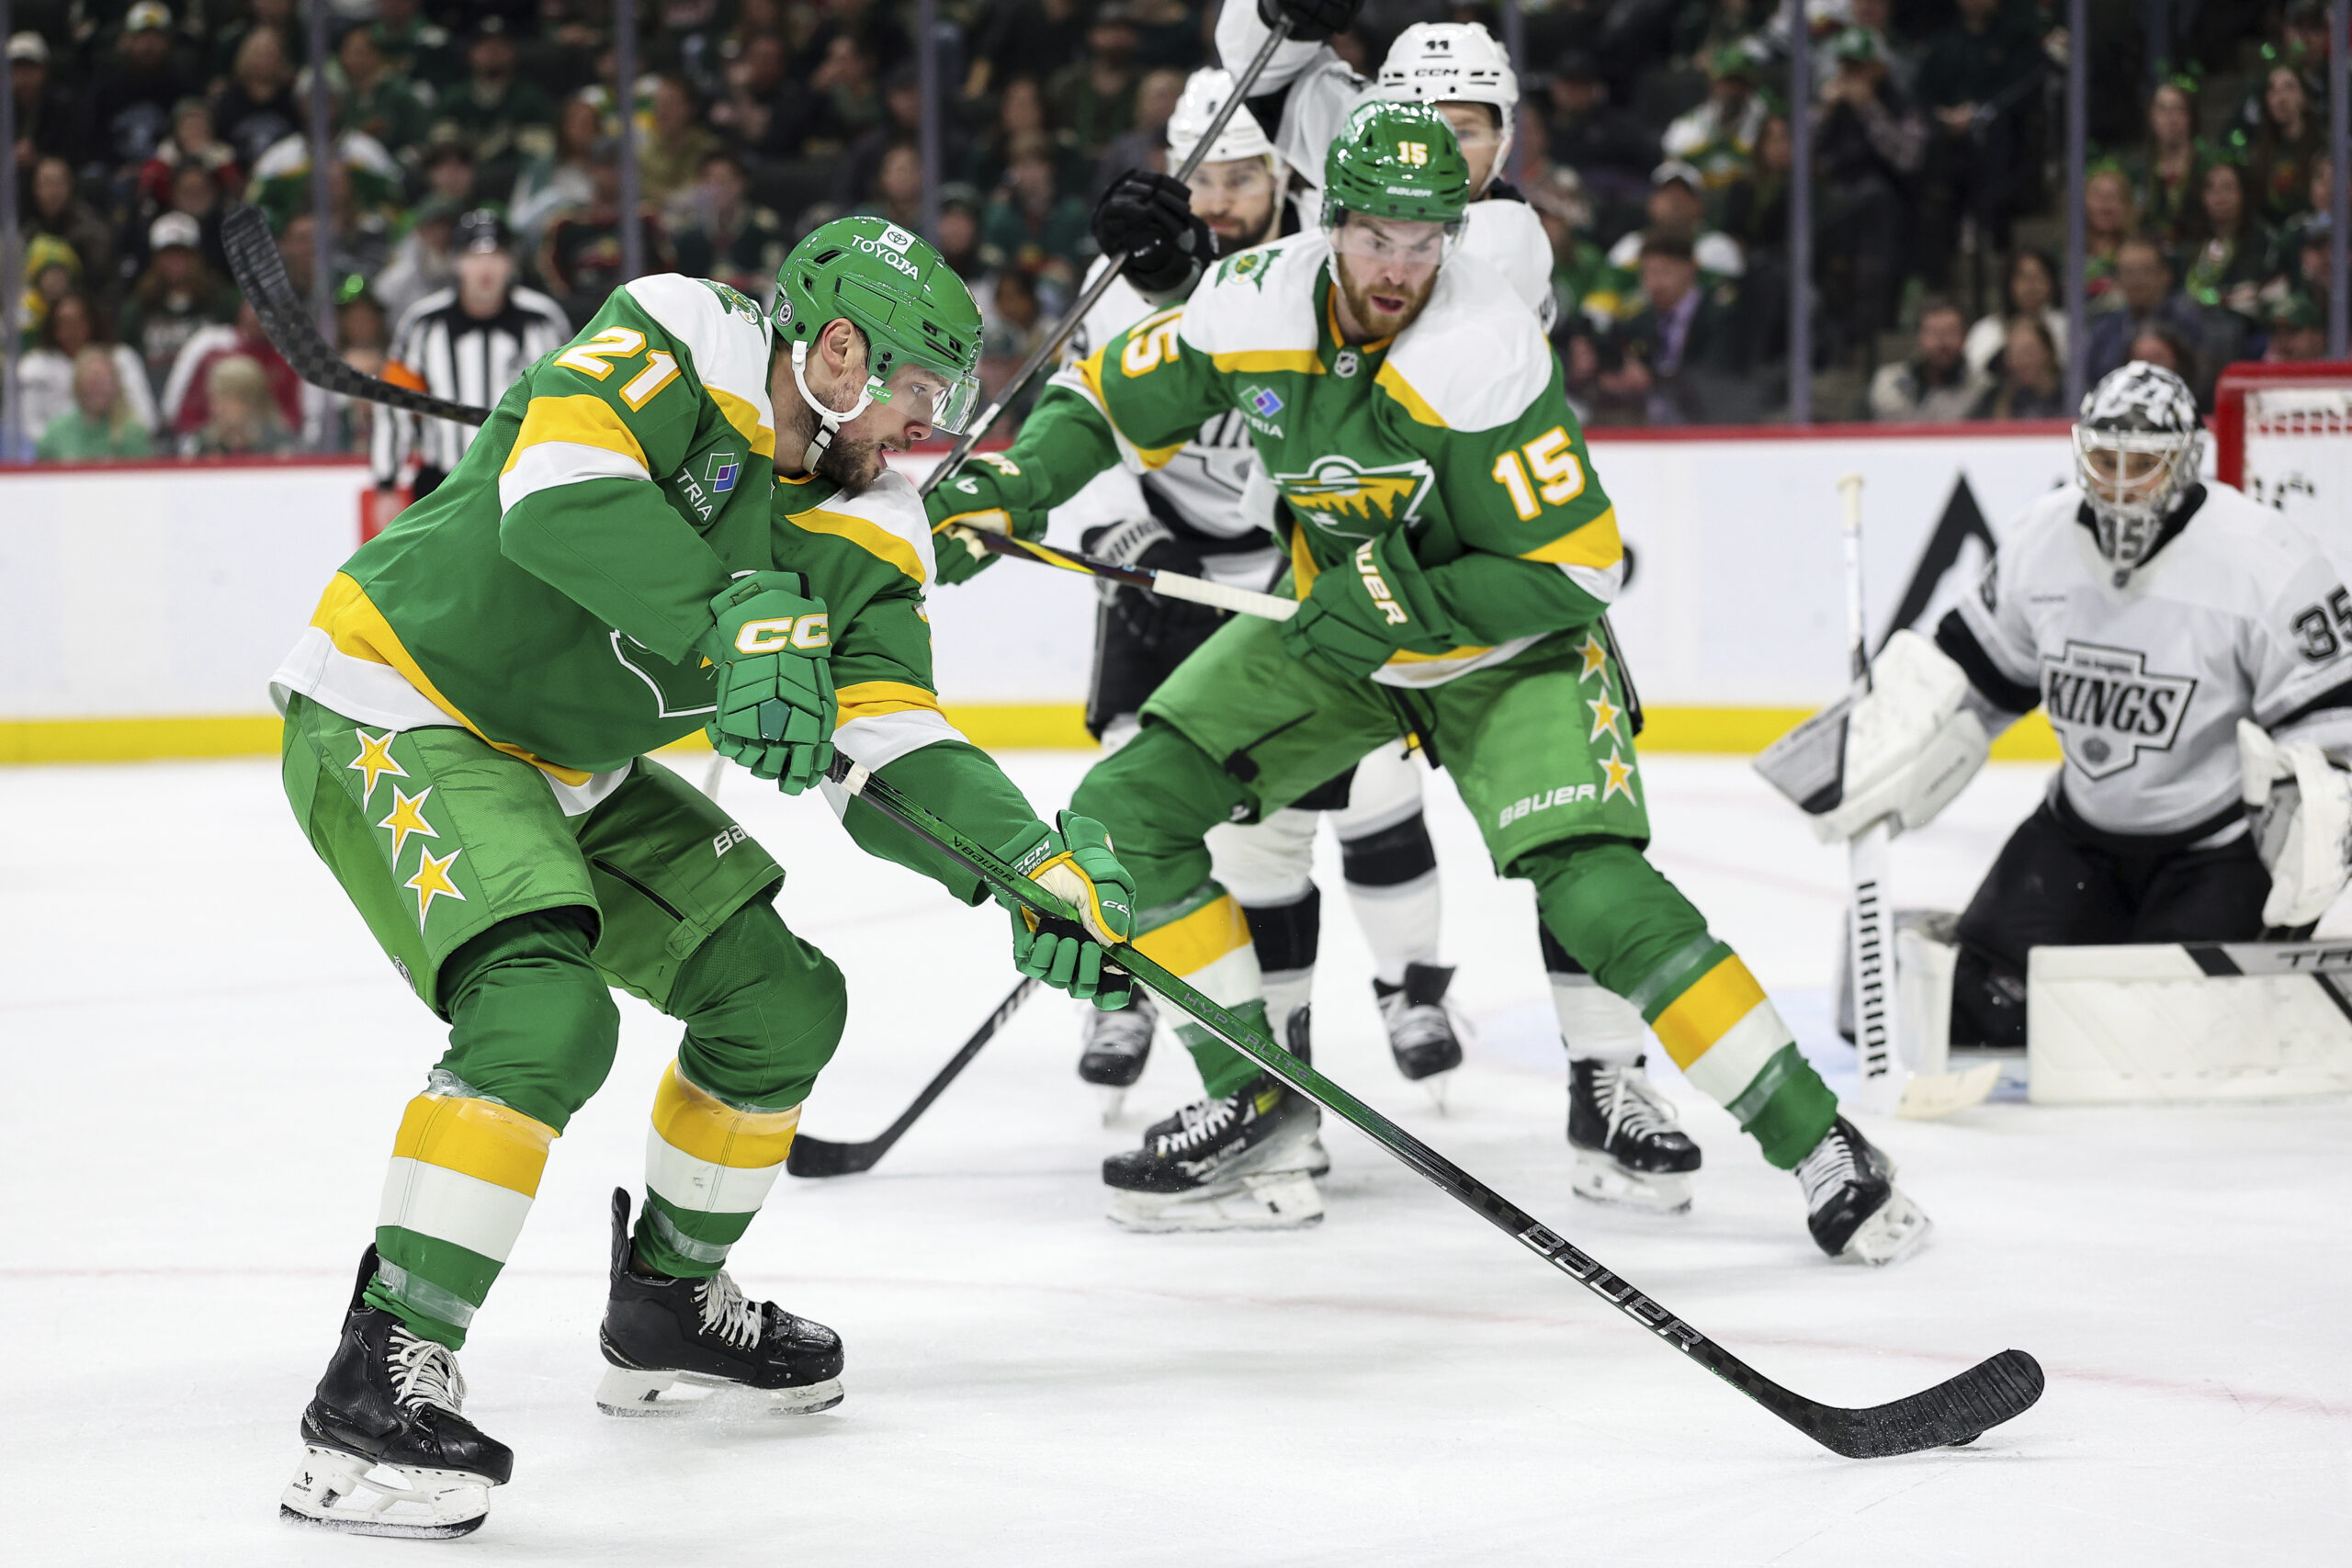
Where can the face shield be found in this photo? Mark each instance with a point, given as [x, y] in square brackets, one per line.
[2132, 478]
[942, 398]
[1402, 241]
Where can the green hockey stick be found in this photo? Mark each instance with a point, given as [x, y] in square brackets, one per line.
[1953, 1412]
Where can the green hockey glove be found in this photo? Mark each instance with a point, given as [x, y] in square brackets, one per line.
[772, 647]
[1365, 611]
[986, 496]
[1077, 866]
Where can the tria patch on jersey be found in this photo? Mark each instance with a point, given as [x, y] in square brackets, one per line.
[1333, 488]
[2108, 707]
[719, 475]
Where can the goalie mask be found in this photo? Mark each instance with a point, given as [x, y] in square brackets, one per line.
[2136, 449]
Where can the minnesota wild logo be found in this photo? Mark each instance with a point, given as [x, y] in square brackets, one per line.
[1334, 490]
[735, 301]
[1250, 264]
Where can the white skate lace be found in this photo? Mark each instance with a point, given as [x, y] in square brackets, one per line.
[725, 1312]
[1202, 1121]
[424, 1372]
[1828, 1170]
[1410, 1026]
[1633, 1105]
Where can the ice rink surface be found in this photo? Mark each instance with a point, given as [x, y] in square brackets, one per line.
[209, 1057]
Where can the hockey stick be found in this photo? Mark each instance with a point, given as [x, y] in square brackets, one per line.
[1888, 1083]
[1044, 352]
[815, 1158]
[1954, 1411]
[261, 274]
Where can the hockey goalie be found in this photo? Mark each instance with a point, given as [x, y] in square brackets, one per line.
[2193, 652]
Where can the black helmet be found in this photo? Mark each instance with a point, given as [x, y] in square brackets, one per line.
[482, 230]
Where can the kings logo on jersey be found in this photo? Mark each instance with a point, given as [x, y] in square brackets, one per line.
[2108, 707]
[1334, 490]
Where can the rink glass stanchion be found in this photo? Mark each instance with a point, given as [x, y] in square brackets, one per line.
[1954, 1411]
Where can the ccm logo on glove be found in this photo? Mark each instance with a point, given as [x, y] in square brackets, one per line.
[1377, 587]
[801, 632]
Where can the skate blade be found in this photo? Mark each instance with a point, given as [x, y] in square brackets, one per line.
[1603, 1180]
[1435, 1085]
[1315, 1159]
[1931, 1095]
[626, 1391]
[1899, 1229]
[1277, 1200]
[1114, 1099]
[338, 1491]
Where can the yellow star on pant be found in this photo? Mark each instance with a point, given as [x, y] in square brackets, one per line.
[408, 816]
[375, 760]
[1604, 719]
[1621, 777]
[432, 880]
[1596, 658]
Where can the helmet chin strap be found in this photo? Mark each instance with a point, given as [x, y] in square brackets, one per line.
[829, 420]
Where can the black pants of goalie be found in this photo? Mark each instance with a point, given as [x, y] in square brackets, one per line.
[2061, 883]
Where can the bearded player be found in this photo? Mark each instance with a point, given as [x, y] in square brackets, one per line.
[678, 521]
[2193, 652]
[1451, 553]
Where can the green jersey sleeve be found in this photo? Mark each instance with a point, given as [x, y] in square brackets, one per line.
[607, 421]
[868, 557]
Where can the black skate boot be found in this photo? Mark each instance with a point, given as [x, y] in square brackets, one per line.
[1117, 1045]
[1852, 1206]
[1421, 1028]
[1299, 1031]
[1239, 1163]
[659, 1332]
[1628, 1149]
[386, 1447]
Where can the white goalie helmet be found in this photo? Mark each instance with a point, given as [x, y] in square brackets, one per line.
[1205, 92]
[1454, 62]
[2136, 448]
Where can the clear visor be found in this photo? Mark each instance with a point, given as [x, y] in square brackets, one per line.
[942, 399]
[2124, 470]
[1398, 239]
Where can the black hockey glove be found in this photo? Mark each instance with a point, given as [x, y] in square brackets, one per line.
[1311, 21]
[1149, 217]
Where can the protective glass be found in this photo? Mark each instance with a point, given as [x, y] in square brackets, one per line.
[1393, 239]
[944, 400]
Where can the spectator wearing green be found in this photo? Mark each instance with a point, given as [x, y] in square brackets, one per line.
[505, 117]
[416, 49]
[1718, 138]
[1097, 94]
[176, 298]
[669, 160]
[101, 426]
[1031, 224]
[377, 100]
[728, 237]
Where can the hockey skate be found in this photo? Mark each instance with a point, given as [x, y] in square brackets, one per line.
[1852, 1206]
[1298, 1039]
[386, 1447]
[1628, 1149]
[1117, 1045]
[1239, 1163]
[659, 1332]
[1423, 1031]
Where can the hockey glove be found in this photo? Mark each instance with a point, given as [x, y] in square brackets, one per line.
[2301, 806]
[772, 647]
[1077, 866]
[1150, 218]
[984, 496]
[1311, 21]
[1365, 611]
[1902, 749]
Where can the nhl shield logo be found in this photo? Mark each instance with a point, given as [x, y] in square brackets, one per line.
[720, 472]
[2108, 707]
[1345, 365]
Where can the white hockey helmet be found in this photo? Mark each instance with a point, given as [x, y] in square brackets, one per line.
[1454, 62]
[2136, 448]
[1205, 92]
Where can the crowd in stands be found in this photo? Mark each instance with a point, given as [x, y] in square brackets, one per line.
[1655, 143]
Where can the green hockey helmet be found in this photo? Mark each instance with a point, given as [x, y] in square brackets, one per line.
[1398, 161]
[890, 285]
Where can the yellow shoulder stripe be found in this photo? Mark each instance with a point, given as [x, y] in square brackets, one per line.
[871, 537]
[1389, 380]
[1593, 542]
[582, 418]
[1303, 569]
[1258, 361]
[1090, 370]
[872, 699]
[746, 421]
[357, 628]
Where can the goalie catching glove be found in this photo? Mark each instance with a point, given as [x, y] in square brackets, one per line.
[773, 647]
[1902, 749]
[986, 496]
[1076, 865]
[2301, 807]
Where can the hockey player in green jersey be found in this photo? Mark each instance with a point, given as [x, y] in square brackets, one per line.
[680, 520]
[1451, 553]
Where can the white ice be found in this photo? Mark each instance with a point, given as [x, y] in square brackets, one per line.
[206, 1057]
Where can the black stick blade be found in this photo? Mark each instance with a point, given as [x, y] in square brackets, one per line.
[1981, 1398]
[815, 1158]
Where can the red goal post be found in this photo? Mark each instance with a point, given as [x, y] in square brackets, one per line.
[2283, 434]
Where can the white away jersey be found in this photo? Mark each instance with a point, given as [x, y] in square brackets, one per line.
[2238, 615]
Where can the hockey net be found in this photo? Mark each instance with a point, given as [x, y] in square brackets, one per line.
[2283, 434]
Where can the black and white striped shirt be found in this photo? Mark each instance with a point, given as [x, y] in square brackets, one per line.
[466, 359]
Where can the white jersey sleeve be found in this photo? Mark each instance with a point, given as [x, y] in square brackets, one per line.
[1240, 34]
[1507, 236]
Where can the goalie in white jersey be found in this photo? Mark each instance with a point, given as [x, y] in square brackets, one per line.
[2193, 652]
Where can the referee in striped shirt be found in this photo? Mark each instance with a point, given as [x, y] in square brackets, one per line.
[468, 343]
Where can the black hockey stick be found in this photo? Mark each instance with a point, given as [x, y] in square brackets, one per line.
[1044, 354]
[815, 1158]
[1954, 1411]
[260, 272]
